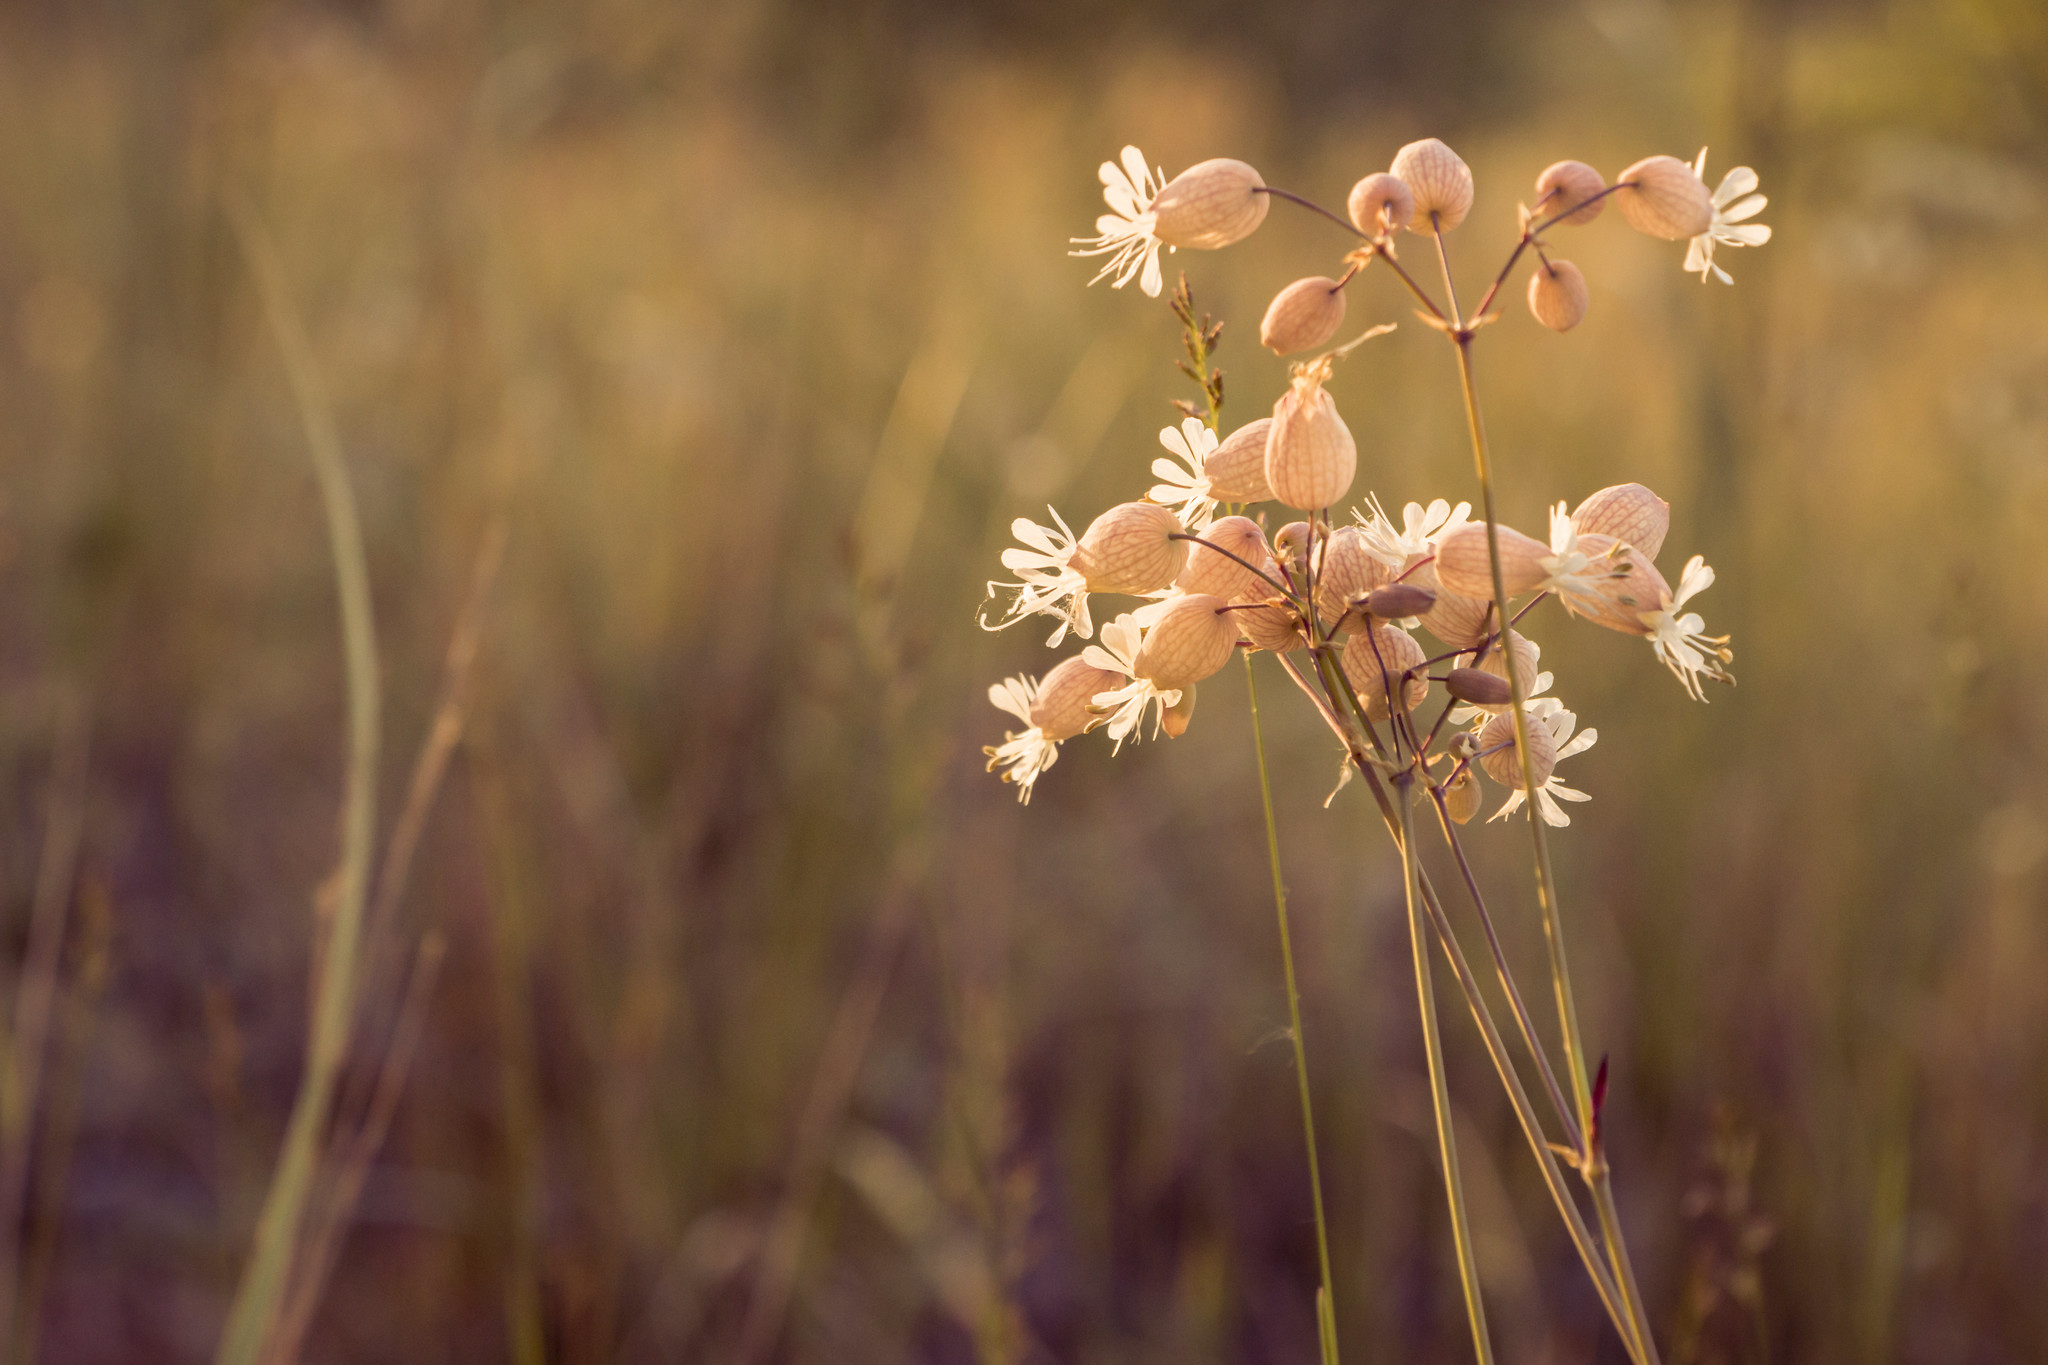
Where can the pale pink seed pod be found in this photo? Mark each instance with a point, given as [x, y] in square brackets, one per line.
[1310, 456]
[1304, 315]
[1462, 798]
[1620, 600]
[1394, 650]
[1174, 719]
[1237, 467]
[1629, 512]
[1565, 184]
[1210, 204]
[1192, 638]
[1347, 570]
[1557, 295]
[1459, 621]
[1399, 601]
[1505, 766]
[1665, 199]
[1271, 624]
[1462, 567]
[1129, 549]
[1210, 571]
[1381, 203]
[1440, 181]
[1061, 711]
[1477, 686]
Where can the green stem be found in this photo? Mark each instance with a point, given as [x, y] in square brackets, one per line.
[1326, 1317]
[1592, 1163]
[277, 1226]
[1439, 1091]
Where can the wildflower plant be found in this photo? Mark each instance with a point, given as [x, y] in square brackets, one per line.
[1343, 598]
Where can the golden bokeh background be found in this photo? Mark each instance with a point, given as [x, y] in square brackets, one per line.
[752, 325]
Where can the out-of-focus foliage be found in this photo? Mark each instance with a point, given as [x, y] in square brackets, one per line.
[754, 322]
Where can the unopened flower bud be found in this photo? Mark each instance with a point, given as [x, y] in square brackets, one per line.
[1310, 456]
[1346, 570]
[1192, 638]
[1504, 765]
[1267, 621]
[1477, 686]
[1440, 181]
[1174, 719]
[1557, 295]
[1130, 549]
[1399, 601]
[1212, 571]
[1377, 661]
[1462, 797]
[1064, 698]
[1629, 588]
[1381, 203]
[1237, 468]
[1305, 314]
[1566, 184]
[1665, 199]
[1462, 745]
[1462, 562]
[1629, 512]
[1210, 204]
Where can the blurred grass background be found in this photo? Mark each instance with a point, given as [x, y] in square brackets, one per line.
[753, 323]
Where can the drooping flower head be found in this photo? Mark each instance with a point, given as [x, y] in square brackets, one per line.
[1210, 204]
[1052, 711]
[1550, 737]
[1734, 201]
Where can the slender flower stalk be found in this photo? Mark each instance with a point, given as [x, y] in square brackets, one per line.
[1439, 1091]
[1326, 1329]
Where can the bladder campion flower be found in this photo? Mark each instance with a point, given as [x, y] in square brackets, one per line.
[1304, 315]
[1664, 197]
[1208, 205]
[1440, 181]
[1054, 710]
[1570, 193]
[1550, 731]
[1733, 201]
[1310, 456]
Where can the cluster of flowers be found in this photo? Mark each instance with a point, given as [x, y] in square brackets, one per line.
[1212, 583]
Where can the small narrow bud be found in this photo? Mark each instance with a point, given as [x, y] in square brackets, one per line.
[1399, 601]
[1557, 295]
[1237, 468]
[1130, 548]
[1310, 456]
[1174, 719]
[1571, 189]
[1477, 686]
[1192, 638]
[1629, 512]
[1665, 199]
[1210, 204]
[1440, 181]
[1302, 316]
[1381, 203]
